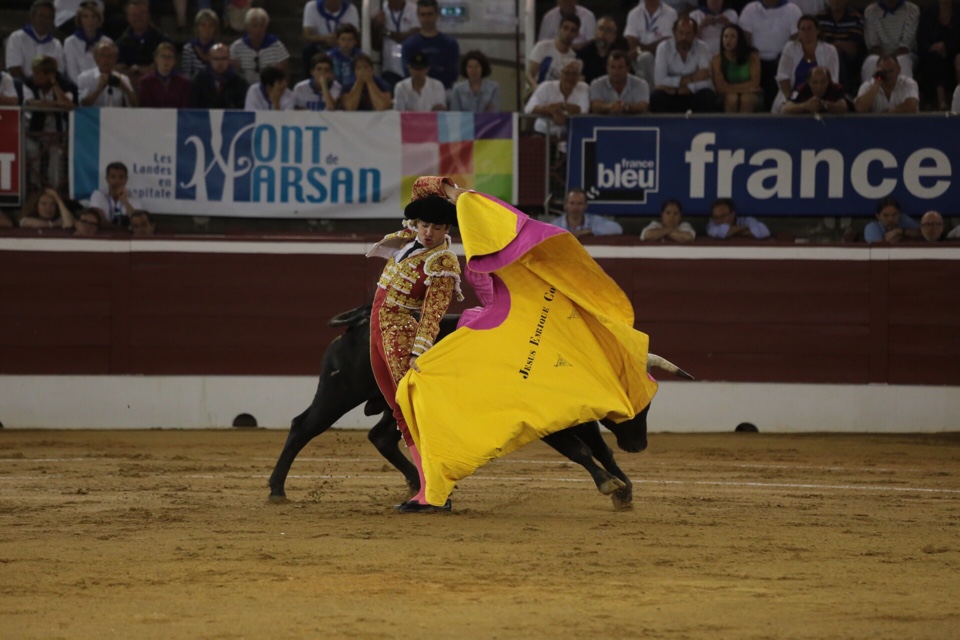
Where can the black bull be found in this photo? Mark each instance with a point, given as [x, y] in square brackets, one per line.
[346, 382]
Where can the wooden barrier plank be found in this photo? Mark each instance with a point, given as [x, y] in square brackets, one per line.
[774, 339]
[745, 308]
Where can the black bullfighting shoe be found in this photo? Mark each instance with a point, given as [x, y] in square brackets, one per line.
[416, 507]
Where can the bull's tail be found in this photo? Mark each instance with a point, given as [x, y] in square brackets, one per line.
[653, 360]
[352, 317]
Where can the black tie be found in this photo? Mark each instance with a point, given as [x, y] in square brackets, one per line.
[416, 245]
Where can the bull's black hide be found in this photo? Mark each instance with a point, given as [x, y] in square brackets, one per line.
[346, 381]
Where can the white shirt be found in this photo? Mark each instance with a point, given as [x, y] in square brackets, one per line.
[550, 25]
[770, 28]
[647, 28]
[710, 34]
[656, 224]
[9, 90]
[549, 92]
[305, 96]
[400, 22]
[406, 98]
[669, 67]
[100, 199]
[327, 25]
[79, 58]
[257, 99]
[547, 49]
[904, 89]
[110, 97]
[792, 55]
[22, 49]
[955, 107]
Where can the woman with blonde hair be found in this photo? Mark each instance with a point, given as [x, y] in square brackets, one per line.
[78, 48]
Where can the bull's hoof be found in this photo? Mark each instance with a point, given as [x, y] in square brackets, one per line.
[277, 498]
[611, 485]
[622, 499]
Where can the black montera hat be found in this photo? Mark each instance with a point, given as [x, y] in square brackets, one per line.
[432, 209]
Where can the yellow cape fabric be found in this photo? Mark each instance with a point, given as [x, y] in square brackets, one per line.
[566, 353]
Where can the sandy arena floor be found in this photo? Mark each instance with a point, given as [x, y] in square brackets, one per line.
[169, 534]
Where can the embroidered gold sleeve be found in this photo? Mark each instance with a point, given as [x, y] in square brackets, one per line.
[443, 281]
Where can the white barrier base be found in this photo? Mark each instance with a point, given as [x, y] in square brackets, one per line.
[203, 402]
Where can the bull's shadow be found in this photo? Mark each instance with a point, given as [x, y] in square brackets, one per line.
[346, 382]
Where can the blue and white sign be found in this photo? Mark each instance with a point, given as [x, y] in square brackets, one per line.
[244, 163]
[768, 165]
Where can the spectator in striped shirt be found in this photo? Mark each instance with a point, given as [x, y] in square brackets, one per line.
[258, 49]
[890, 28]
[842, 27]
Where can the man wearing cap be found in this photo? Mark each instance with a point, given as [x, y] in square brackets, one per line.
[422, 275]
[419, 92]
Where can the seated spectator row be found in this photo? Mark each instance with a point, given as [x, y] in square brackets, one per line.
[761, 58]
[707, 59]
[725, 223]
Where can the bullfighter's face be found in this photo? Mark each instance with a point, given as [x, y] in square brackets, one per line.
[430, 235]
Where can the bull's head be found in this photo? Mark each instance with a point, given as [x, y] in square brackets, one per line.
[631, 434]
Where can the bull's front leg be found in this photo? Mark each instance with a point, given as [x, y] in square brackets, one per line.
[568, 444]
[589, 433]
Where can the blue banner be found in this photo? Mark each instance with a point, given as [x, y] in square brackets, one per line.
[770, 166]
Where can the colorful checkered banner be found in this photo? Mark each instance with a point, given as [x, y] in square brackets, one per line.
[769, 165]
[290, 164]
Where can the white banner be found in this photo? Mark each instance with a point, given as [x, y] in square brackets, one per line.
[244, 163]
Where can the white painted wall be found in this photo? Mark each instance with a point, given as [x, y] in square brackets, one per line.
[199, 402]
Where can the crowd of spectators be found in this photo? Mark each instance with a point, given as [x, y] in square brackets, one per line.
[668, 56]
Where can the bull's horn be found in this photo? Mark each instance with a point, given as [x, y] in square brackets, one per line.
[653, 360]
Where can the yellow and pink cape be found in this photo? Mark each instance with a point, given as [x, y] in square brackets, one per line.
[553, 346]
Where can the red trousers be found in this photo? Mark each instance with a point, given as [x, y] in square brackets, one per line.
[382, 347]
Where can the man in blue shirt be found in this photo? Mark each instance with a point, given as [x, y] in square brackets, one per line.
[725, 223]
[441, 50]
[579, 223]
[890, 225]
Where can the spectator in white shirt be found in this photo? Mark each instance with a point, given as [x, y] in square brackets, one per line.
[321, 91]
[271, 93]
[396, 21]
[103, 86]
[8, 91]
[648, 24]
[770, 24]
[711, 18]
[556, 100]
[78, 48]
[35, 39]
[321, 19]
[682, 74]
[670, 226]
[115, 204]
[549, 56]
[550, 23]
[800, 57]
[419, 92]
[889, 91]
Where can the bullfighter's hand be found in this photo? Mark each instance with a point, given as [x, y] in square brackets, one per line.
[413, 364]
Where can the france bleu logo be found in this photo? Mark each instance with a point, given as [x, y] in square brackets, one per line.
[620, 164]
